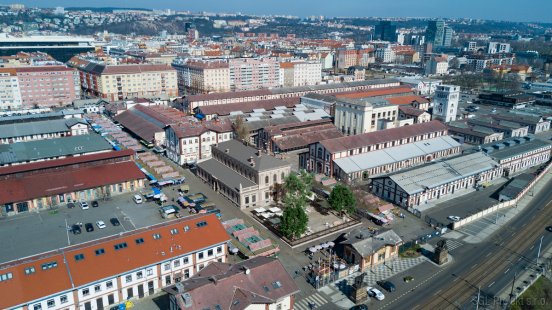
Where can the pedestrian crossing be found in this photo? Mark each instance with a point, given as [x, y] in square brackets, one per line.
[453, 244]
[315, 299]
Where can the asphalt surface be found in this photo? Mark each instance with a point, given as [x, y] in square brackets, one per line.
[492, 264]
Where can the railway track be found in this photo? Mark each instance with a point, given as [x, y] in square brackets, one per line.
[506, 252]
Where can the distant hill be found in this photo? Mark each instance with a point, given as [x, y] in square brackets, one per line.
[104, 9]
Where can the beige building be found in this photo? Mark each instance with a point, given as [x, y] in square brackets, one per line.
[202, 76]
[10, 93]
[368, 250]
[119, 82]
[243, 174]
[354, 116]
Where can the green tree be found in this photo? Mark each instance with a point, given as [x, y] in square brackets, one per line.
[294, 222]
[241, 129]
[296, 189]
[342, 199]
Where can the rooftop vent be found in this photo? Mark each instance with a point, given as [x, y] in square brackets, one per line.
[227, 151]
[179, 287]
[246, 270]
[187, 300]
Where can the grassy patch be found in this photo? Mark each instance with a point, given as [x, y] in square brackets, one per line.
[412, 252]
[537, 297]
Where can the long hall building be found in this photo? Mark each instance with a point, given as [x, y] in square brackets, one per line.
[106, 272]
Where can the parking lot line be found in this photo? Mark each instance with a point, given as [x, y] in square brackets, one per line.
[67, 231]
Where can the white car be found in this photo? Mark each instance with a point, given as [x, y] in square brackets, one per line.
[453, 218]
[84, 205]
[100, 224]
[374, 292]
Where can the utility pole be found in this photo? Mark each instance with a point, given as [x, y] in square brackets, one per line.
[512, 291]
[478, 295]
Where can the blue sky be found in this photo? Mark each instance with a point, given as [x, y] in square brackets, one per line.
[515, 10]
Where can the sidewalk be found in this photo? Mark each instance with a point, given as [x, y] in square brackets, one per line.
[481, 229]
[524, 280]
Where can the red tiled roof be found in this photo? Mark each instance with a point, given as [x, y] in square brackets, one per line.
[382, 136]
[194, 129]
[133, 69]
[229, 95]
[43, 69]
[376, 92]
[247, 107]
[408, 110]
[406, 100]
[23, 288]
[64, 162]
[66, 181]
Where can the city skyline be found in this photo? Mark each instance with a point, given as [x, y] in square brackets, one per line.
[509, 9]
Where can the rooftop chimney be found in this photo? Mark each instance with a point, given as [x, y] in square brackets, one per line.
[258, 153]
[246, 270]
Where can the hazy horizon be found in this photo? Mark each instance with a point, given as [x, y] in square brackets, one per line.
[506, 10]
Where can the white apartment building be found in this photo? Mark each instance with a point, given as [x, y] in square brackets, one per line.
[10, 93]
[498, 47]
[354, 117]
[437, 66]
[385, 54]
[202, 76]
[300, 73]
[105, 272]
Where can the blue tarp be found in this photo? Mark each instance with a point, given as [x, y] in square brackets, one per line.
[156, 191]
[200, 116]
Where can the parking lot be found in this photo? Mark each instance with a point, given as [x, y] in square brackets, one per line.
[33, 233]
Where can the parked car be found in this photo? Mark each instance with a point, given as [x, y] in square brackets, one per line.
[453, 218]
[95, 204]
[76, 229]
[359, 307]
[137, 199]
[83, 205]
[387, 285]
[100, 224]
[374, 292]
[89, 227]
[70, 205]
[549, 228]
[114, 221]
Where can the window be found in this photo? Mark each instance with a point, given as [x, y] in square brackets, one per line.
[176, 263]
[49, 265]
[200, 255]
[219, 249]
[121, 245]
[174, 231]
[79, 257]
[63, 299]
[247, 199]
[108, 284]
[139, 240]
[51, 303]
[97, 288]
[201, 224]
[186, 260]
[210, 252]
[167, 266]
[283, 176]
[276, 284]
[253, 198]
[29, 270]
[139, 275]
[149, 271]
[266, 180]
[37, 307]
[100, 251]
[128, 278]
[85, 292]
[156, 236]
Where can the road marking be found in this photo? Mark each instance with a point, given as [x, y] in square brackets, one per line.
[67, 231]
[439, 291]
[491, 284]
[531, 247]
[507, 270]
[473, 266]
[488, 254]
[513, 234]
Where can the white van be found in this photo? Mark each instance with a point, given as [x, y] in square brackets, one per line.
[138, 199]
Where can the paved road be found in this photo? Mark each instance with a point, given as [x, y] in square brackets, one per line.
[479, 265]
